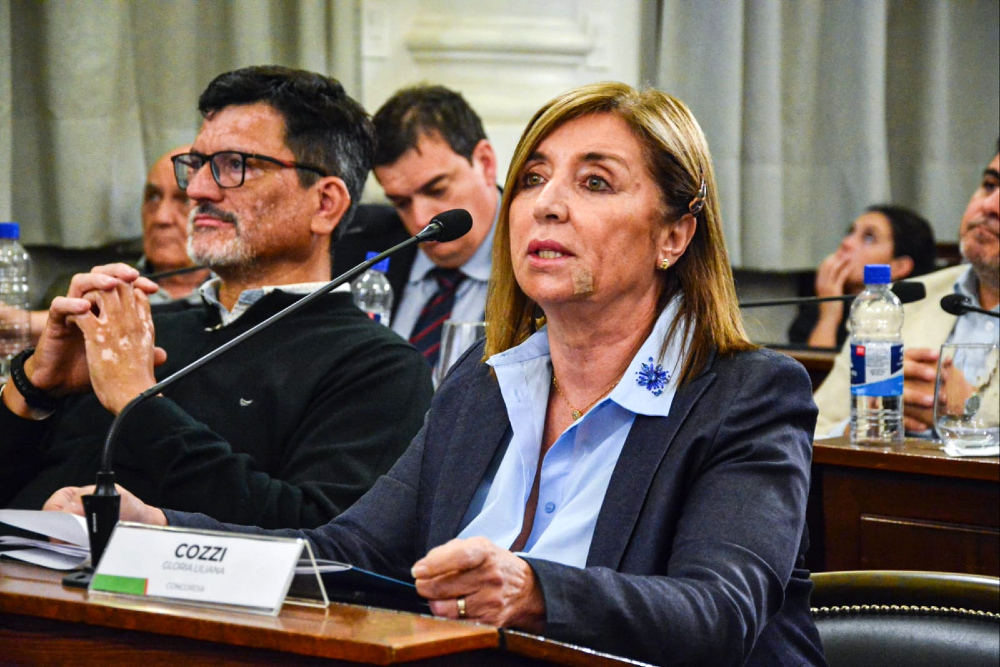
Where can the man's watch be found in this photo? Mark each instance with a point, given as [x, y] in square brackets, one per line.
[32, 395]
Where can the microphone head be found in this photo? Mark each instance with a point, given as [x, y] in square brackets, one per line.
[955, 304]
[908, 291]
[447, 226]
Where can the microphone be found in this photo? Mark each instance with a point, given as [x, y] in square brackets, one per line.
[102, 507]
[905, 291]
[160, 275]
[959, 304]
[444, 227]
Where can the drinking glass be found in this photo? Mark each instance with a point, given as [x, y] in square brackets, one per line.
[456, 338]
[966, 402]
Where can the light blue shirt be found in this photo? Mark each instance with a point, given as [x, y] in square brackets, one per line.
[578, 467]
[209, 291]
[470, 299]
[973, 327]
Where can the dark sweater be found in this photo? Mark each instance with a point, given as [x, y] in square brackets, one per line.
[287, 429]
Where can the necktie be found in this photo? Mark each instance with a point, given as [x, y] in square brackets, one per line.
[426, 335]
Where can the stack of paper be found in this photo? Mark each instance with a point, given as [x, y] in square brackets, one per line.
[71, 551]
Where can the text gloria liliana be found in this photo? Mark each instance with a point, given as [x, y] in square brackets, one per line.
[197, 552]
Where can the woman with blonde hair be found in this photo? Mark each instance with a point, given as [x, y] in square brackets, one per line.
[618, 467]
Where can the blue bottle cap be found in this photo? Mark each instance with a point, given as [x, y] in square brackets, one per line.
[877, 274]
[10, 230]
[382, 266]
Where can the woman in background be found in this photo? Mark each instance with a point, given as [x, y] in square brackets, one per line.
[619, 467]
[883, 234]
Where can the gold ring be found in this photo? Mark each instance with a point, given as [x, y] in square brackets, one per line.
[461, 607]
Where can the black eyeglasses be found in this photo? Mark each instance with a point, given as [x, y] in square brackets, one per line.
[229, 168]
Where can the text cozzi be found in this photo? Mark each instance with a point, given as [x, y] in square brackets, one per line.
[200, 552]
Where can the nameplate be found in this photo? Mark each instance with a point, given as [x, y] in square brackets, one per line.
[203, 567]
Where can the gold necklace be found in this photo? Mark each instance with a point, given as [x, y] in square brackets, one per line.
[576, 412]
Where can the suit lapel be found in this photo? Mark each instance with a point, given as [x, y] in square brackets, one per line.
[481, 428]
[646, 445]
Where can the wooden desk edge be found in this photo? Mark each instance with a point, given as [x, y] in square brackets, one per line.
[192, 623]
[561, 653]
[915, 456]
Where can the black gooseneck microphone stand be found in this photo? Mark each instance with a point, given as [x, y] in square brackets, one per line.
[905, 291]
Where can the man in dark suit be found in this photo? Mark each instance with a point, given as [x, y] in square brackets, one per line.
[432, 156]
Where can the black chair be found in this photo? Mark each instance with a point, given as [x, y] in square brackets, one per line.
[888, 618]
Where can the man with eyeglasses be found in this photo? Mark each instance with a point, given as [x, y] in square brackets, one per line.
[288, 428]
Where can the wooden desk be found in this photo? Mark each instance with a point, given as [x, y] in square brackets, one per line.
[908, 508]
[42, 622]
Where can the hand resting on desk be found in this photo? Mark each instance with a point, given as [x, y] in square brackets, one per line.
[498, 587]
[69, 499]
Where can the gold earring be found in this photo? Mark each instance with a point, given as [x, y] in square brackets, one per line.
[665, 264]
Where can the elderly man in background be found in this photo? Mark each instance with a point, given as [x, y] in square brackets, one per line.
[290, 427]
[926, 326]
[432, 155]
[164, 212]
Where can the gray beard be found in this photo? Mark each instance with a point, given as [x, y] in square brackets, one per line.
[234, 255]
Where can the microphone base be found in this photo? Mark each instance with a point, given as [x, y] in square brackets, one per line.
[101, 510]
[79, 579]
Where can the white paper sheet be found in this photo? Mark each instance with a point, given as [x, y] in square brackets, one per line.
[53, 560]
[60, 525]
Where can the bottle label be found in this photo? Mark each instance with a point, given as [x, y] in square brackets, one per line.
[381, 318]
[877, 369]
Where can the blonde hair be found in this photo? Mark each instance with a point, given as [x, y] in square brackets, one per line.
[677, 158]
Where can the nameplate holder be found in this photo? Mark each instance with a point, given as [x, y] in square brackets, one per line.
[199, 567]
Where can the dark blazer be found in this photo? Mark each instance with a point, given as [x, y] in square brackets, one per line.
[375, 227]
[697, 554]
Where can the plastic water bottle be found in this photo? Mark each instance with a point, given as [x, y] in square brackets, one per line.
[876, 362]
[14, 322]
[373, 293]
